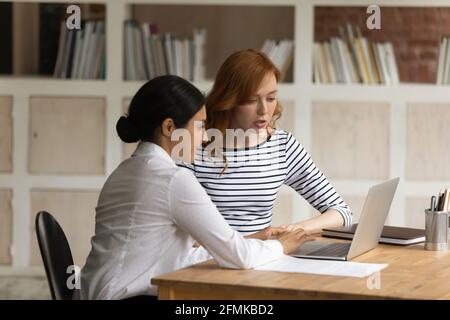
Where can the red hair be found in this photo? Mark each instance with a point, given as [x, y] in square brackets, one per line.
[237, 80]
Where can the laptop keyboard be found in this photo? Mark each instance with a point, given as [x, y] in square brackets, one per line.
[332, 250]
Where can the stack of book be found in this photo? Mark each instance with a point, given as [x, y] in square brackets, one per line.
[280, 52]
[353, 59]
[81, 53]
[443, 66]
[149, 54]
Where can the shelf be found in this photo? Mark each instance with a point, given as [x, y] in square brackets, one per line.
[291, 91]
[229, 27]
[286, 90]
[405, 92]
[35, 55]
[418, 3]
[387, 3]
[52, 86]
[414, 32]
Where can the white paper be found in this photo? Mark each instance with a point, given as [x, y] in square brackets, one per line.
[323, 267]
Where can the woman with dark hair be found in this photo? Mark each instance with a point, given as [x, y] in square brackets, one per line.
[150, 211]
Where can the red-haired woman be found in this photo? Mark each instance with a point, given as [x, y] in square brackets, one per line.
[244, 177]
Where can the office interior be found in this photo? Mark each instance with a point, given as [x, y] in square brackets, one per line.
[58, 112]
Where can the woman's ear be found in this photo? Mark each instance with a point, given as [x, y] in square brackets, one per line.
[167, 127]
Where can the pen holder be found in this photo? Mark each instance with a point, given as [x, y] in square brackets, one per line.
[436, 230]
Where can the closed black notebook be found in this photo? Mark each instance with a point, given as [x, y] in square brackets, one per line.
[390, 235]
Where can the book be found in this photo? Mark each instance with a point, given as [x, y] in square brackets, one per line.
[350, 40]
[61, 45]
[178, 54]
[446, 75]
[149, 54]
[163, 68]
[69, 64]
[349, 59]
[66, 54]
[199, 39]
[337, 63]
[362, 61]
[130, 73]
[392, 65]
[329, 67]
[100, 52]
[186, 59]
[368, 61]
[345, 61]
[147, 41]
[169, 54]
[78, 49]
[440, 79]
[389, 235]
[141, 73]
[286, 57]
[375, 63]
[280, 52]
[152, 59]
[91, 50]
[383, 63]
[88, 34]
[316, 75]
[49, 31]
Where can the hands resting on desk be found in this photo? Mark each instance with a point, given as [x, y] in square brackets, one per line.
[295, 235]
[290, 238]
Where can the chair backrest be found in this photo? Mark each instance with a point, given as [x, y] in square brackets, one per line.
[56, 255]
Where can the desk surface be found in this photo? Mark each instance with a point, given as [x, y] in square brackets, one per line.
[413, 273]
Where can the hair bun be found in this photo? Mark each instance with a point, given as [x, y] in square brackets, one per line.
[126, 130]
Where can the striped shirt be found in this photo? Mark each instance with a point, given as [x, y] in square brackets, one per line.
[245, 192]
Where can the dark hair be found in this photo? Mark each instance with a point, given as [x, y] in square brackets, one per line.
[160, 98]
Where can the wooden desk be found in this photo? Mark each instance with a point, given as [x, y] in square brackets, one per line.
[413, 273]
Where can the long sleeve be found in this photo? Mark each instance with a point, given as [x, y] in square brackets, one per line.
[193, 211]
[304, 176]
[186, 165]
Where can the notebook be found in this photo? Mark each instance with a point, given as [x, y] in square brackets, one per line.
[390, 235]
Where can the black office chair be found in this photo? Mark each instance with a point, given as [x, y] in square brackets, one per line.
[56, 255]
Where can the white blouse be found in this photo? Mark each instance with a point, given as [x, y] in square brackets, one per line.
[149, 214]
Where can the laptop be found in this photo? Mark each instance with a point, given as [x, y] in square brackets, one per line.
[367, 234]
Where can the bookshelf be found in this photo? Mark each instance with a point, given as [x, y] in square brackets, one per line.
[306, 106]
[414, 32]
[228, 28]
[49, 49]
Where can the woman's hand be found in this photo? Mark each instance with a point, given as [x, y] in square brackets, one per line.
[329, 219]
[267, 233]
[291, 240]
[293, 227]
